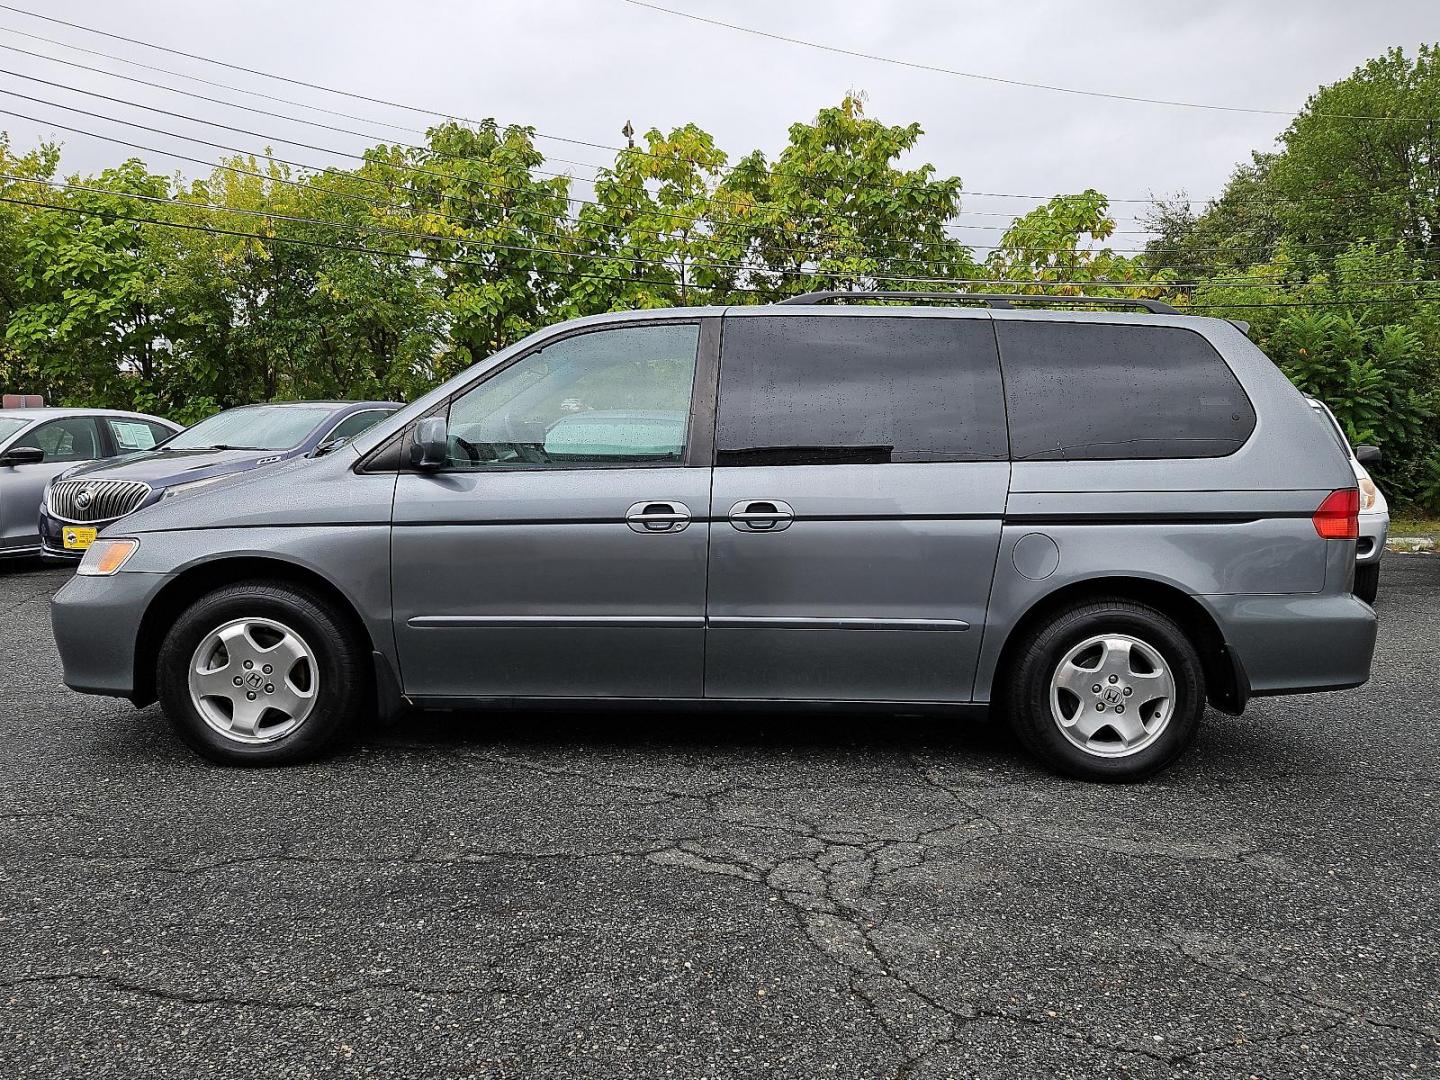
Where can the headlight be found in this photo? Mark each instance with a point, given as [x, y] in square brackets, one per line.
[106, 557]
[192, 486]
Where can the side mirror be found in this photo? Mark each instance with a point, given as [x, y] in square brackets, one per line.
[430, 444]
[1368, 455]
[22, 455]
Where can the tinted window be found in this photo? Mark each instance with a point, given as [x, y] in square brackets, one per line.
[354, 425]
[8, 427]
[75, 438]
[159, 432]
[1102, 391]
[613, 397]
[801, 390]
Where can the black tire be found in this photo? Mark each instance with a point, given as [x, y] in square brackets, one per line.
[1026, 688]
[1367, 582]
[341, 668]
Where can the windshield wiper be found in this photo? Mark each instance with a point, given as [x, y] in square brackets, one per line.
[217, 446]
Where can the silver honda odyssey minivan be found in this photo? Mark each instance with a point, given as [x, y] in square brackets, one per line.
[1095, 519]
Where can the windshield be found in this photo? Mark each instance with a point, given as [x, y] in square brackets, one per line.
[256, 427]
[9, 426]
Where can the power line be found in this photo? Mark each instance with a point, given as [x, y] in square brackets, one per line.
[370, 135]
[528, 198]
[999, 79]
[264, 137]
[418, 110]
[471, 199]
[1362, 301]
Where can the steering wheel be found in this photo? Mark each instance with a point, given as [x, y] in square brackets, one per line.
[529, 452]
[472, 452]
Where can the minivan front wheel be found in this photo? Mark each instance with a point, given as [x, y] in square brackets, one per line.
[256, 673]
[1107, 690]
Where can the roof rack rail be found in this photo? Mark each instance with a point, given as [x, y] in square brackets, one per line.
[996, 300]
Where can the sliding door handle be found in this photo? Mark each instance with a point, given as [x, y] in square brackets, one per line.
[761, 515]
[658, 517]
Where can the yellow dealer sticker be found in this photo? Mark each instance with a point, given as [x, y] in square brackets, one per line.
[78, 539]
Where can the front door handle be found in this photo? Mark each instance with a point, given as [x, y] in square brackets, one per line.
[761, 515]
[658, 517]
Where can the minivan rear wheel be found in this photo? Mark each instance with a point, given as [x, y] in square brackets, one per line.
[1108, 689]
[260, 674]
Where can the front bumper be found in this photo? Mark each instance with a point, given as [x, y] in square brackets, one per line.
[1373, 530]
[52, 536]
[1297, 643]
[97, 623]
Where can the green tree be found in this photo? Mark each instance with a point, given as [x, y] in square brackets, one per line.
[498, 230]
[18, 373]
[1361, 161]
[1237, 230]
[92, 318]
[1052, 249]
[659, 231]
[835, 211]
[1339, 179]
[1367, 350]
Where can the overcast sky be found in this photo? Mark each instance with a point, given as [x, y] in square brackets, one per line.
[581, 68]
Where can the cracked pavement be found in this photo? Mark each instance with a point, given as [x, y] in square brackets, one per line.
[548, 895]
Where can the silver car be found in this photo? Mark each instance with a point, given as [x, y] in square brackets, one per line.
[37, 444]
[1095, 521]
[1374, 510]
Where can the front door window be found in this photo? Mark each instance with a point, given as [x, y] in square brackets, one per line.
[616, 397]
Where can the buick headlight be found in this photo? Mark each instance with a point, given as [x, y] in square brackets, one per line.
[106, 557]
[190, 488]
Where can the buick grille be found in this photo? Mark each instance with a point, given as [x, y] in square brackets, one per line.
[95, 500]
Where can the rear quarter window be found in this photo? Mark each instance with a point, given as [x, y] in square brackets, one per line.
[1107, 392]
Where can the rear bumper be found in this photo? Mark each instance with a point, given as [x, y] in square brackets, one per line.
[1373, 530]
[1297, 644]
[96, 622]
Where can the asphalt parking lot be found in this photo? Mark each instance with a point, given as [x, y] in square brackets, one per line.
[599, 896]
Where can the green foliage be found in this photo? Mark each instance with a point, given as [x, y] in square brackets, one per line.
[834, 212]
[659, 233]
[1237, 230]
[89, 316]
[1055, 243]
[1340, 180]
[1367, 350]
[1335, 179]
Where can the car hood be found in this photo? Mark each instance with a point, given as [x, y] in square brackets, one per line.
[164, 468]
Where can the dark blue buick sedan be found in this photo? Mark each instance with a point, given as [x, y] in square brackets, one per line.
[79, 503]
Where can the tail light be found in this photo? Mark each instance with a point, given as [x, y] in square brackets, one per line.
[1338, 517]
